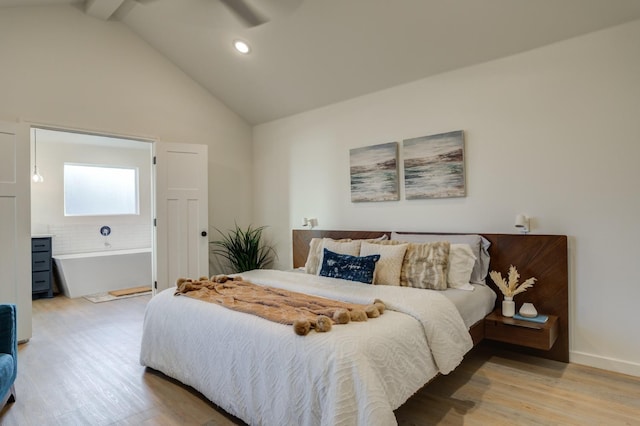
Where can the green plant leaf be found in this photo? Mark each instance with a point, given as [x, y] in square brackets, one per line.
[244, 249]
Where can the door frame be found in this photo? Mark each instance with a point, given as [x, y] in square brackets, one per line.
[26, 135]
[22, 226]
[26, 127]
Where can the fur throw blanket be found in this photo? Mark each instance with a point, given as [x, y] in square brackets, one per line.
[303, 311]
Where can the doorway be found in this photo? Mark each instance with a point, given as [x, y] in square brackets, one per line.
[93, 196]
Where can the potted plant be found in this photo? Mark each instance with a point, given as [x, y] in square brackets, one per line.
[244, 249]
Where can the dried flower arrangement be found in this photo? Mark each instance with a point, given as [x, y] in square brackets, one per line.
[513, 287]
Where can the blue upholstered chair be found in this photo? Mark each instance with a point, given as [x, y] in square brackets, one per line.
[8, 353]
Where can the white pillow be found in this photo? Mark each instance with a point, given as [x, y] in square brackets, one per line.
[312, 264]
[461, 261]
[390, 264]
[351, 248]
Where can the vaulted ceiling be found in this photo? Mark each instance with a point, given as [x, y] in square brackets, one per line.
[312, 53]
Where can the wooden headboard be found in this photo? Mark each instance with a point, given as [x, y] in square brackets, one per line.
[542, 256]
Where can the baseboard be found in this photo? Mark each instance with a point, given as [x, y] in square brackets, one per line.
[611, 364]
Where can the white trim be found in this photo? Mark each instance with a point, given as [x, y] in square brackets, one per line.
[605, 363]
[93, 132]
[101, 253]
[15, 246]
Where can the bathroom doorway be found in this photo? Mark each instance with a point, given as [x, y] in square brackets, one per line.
[93, 196]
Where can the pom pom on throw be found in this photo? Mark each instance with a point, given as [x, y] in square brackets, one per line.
[341, 316]
[182, 280]
[301, 327]
[380, 305]
[203, 279]
[181, 283]
[219, 278]
[357, 315]
[372, 311]
[323, 324]
[187, 286]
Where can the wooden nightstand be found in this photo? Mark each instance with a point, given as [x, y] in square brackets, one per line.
[523, 333]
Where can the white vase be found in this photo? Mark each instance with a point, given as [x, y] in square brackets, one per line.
[508, 306]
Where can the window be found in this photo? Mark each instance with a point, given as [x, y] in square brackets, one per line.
[91, 190]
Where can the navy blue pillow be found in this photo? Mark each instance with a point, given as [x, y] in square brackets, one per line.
[352, 268]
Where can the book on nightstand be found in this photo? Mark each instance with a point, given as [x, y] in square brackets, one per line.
[541, 319]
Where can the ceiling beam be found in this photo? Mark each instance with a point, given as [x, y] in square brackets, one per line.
[101, 9]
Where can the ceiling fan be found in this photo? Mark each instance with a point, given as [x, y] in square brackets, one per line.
[257, 12]
[247, 13]
[250, 13]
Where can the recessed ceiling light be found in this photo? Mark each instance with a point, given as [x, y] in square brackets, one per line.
[241, 47]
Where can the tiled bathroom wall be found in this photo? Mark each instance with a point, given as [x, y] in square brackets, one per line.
[83, 238]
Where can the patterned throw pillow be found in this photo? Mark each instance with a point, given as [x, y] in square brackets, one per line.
[389, 266]
[424, 265]
[346, 267]
[479, 245]
[314, 258]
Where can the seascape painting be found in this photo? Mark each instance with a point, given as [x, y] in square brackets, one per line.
[434, 166]
[374, 173]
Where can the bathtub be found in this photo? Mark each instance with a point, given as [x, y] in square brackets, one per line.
[82, 274]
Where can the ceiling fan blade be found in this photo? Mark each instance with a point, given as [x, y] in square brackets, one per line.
[247, 14]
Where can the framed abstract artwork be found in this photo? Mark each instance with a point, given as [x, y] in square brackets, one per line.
[374, 173]
[434, 166]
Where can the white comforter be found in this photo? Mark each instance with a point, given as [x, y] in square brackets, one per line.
[265, 374]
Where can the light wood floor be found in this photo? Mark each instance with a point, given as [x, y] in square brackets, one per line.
[81, 368]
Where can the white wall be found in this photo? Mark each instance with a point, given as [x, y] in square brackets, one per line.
[552, 133]
[79, 234]
[64, 69]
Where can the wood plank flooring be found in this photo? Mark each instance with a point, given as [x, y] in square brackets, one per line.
[81, 368]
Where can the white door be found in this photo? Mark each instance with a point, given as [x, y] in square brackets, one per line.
[182, 213]
[15, 225]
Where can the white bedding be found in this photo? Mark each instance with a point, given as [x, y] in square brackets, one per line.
[472, 305]
[265, 374]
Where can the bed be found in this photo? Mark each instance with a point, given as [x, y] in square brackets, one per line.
[356, 374]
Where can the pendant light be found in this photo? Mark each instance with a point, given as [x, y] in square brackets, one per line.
[36, 177]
